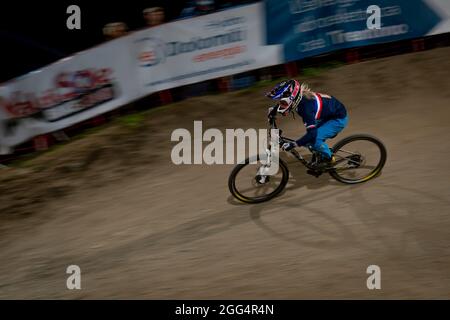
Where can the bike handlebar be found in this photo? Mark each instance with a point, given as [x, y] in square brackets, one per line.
[273, 125]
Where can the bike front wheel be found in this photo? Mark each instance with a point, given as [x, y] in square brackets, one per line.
[249, 185]
[359, 158]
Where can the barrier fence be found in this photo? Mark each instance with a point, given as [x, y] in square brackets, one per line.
[222, 51]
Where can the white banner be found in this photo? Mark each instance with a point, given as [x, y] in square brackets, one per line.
[115, 73]
[203, 48]
[74, 89]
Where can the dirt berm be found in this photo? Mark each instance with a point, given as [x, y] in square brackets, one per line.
[138, 226]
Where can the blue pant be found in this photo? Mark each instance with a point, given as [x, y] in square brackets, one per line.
[327, 130]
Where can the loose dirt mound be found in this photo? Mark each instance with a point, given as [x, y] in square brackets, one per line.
[138, 226]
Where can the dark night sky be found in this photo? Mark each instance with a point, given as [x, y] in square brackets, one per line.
[34, 33]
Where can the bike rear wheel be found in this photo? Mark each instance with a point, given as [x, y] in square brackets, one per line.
[247, 185]
[359, 158]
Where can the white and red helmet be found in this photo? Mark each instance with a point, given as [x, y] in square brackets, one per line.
[289, 93]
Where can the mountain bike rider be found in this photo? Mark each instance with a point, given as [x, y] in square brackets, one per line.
[324, 117]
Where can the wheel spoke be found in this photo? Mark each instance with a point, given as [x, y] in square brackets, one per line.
[354, 168]
[348, 160]
[348, 152]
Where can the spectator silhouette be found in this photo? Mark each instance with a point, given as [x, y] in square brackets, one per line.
[114, 30]
[153, 16]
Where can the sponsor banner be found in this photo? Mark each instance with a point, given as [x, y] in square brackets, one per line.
[312, 27]
[205, 47]
[74, 89]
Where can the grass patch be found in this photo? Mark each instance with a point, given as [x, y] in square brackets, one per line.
[134, 120]
[317, 71]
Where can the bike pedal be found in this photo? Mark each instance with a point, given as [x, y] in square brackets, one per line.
[313, 173]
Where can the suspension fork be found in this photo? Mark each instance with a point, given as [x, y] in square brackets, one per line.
[265, 167]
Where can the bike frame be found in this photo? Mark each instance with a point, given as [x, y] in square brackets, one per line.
[294, 152]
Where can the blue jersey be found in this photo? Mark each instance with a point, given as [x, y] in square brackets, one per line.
[317, 110]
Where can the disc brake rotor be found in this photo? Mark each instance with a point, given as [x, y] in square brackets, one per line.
[355, 161]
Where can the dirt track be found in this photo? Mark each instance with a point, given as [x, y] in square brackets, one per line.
[141, 227]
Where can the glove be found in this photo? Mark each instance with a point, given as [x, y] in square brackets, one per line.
[271, 112]
[287, 146]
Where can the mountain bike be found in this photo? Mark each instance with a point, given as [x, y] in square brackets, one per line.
[358, 158]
